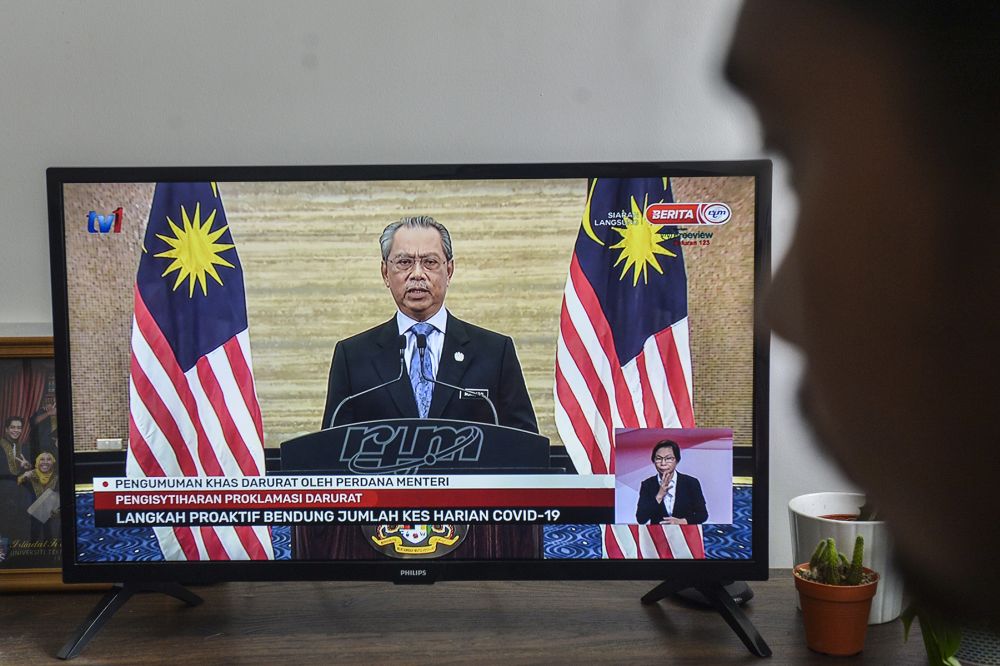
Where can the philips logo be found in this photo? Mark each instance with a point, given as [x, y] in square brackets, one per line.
[414, 576]
[102, 224]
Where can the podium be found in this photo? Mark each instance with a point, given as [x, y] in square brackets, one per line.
[417, 446]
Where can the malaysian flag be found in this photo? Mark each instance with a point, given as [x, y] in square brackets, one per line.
[623, 358]
[192, 405]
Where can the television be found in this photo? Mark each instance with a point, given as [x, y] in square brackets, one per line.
[240, 396]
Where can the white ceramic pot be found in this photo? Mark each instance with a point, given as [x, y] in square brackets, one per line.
[808, 527]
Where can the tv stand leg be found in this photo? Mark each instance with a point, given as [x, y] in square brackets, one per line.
[662, 591]
[724, 605]
[110, 604]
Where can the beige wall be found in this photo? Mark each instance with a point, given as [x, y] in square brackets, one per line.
[101, 272]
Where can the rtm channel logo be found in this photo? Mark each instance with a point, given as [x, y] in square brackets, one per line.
[103, 224]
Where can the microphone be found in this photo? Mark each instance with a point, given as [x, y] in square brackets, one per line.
[402, 371]
[422, 348]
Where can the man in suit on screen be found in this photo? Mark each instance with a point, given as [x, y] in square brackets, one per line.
[417, 266]
[669, 497]
[15, 453]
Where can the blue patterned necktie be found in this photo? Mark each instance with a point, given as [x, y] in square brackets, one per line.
[422, 389]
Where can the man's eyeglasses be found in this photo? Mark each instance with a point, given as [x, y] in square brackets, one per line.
[405, 264]
[664, 459]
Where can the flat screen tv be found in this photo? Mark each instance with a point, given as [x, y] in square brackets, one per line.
[242, 392]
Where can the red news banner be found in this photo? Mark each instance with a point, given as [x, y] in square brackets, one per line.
[354, 500]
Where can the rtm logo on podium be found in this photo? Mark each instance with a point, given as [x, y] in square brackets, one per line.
[401, 449]
[103, 224]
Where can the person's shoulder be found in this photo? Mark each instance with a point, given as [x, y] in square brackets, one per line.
[364, 338]
[480, 334]
[687, 478]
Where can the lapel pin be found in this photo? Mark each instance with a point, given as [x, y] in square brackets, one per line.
[459, 356]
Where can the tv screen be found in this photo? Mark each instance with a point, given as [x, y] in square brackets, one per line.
[385, 372]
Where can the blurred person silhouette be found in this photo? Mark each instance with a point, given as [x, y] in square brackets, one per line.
[886, 111]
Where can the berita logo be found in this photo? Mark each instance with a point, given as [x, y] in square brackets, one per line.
[688, 214]
[102, 224]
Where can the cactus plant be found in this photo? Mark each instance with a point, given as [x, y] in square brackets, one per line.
[836, 595]
[830, 567]
[855, 570]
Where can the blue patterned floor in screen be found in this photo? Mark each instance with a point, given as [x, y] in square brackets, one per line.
[138, 544]
[722, 542]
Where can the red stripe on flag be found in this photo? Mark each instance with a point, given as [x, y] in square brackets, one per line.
[148, 463]
[659, 537]
[576, 417]
[695, 541]
[634, 529]
[165, 355]
[676, 381]
[592, 306]
[217, 399]
[186, 540]
[585, 365]
[611, 547]
[163, 418]
[244, 380]
[213, 544]
[649, 407]
[251, 544]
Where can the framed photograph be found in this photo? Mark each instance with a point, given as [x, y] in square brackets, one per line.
[30, 535]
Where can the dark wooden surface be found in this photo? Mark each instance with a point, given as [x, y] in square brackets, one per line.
[463, 623]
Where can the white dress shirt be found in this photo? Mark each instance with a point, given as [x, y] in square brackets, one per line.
[671, 494]
[435, 339]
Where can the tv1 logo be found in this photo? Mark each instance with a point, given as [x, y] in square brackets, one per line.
[102, 224]
[688, 214]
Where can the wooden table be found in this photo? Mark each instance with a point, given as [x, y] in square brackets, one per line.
[450, 622]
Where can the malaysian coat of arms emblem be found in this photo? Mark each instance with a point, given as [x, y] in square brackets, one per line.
[415, 541]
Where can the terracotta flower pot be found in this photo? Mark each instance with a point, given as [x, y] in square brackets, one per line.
[836, 616]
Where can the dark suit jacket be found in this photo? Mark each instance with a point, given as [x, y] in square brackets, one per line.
[689, 502]
[487, 362]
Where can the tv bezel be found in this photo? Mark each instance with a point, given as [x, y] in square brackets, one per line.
[753, 568]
